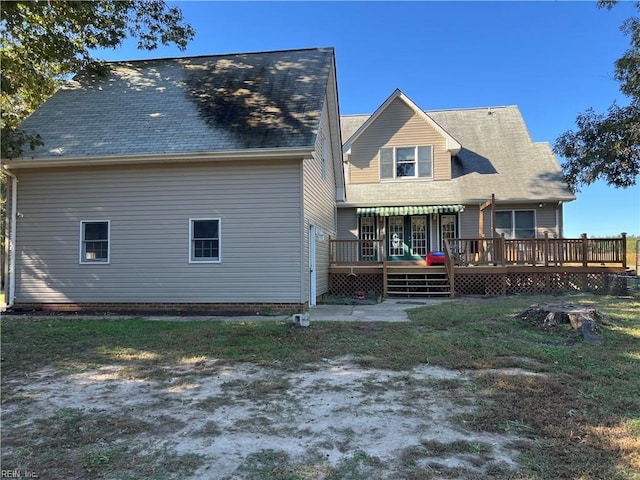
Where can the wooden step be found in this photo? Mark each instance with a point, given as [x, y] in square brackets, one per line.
[426, 284]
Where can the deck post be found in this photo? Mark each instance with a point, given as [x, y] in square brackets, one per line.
[585, 250]
[383, 257]
[546, 248]
[624, 250]
[503, 250]
[585, 260]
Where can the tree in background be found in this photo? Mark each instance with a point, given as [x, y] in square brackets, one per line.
[607, 146]
[44, 42]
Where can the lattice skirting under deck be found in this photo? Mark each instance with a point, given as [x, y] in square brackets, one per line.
[537, 283]
[495, 283]
[349, 285]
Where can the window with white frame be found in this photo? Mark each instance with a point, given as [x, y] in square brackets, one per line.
[406, 162]
[516, 223]
[204, 242]
[94, 241]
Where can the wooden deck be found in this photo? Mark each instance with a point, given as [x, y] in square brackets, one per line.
[486, 266]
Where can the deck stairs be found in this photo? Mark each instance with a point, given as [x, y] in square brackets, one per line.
[418, 282]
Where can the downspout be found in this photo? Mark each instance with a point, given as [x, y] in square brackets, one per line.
[12, 216]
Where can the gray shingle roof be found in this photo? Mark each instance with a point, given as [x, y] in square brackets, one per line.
[497, 156]
[183, 105]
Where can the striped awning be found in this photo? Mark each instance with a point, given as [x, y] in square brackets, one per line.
[408, 210]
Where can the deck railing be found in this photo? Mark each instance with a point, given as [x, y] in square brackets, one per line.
[348, 252]
[500, 251]
[539, 251]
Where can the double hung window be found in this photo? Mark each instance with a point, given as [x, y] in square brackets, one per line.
[204, 243]
[94, 241]
[406, 162]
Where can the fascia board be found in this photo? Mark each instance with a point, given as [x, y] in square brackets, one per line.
[253, 154]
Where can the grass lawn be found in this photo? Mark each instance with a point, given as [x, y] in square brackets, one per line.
[581, 410]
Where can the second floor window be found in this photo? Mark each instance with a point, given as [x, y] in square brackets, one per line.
[406, 162]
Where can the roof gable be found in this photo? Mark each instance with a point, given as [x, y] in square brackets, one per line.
[497, 156]
[451, 144]
[268, 100]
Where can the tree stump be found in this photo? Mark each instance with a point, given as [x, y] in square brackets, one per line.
[581, 318]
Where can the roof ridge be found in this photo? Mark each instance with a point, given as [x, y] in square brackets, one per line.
[188, 57]
[441, 110]
[471, 108]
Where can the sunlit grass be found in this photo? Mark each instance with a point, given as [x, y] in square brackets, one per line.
[128, 354]
[582, 407]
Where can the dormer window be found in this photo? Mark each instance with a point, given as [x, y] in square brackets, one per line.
[406, 162]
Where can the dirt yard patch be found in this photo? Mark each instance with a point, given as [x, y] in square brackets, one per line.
[205, 419]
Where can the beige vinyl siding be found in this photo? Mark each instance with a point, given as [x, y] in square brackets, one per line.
[319, 206]
[397, 126]
[149, 208]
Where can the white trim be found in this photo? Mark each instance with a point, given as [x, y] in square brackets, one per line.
[251, 154]
[559, 229]
[335, 132]
[219, 259]
[451, 144]
[313, 267]
[11, 222]
[83, 260]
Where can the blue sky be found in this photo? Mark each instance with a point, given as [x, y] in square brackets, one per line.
[552, 59]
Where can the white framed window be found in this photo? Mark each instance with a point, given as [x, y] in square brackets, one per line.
[94, 241]
[204, 240]
[406, 162]
[516, 223]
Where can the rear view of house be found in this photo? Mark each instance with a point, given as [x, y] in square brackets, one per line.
[422, 176]
[221, 182]
[205, 181]
[464, 189]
